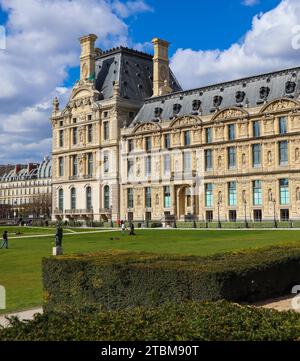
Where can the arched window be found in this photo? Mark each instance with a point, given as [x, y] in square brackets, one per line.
[61, 199]
[106, 197]
[73, 198]
[89, 198]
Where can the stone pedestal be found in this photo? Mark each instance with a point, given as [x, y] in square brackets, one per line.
[57, 251]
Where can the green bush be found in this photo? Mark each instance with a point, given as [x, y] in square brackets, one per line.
[156, 225]
[123, 279]
[190, 321]
[185, 224]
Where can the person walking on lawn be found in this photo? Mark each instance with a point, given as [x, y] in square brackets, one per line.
[4, 240]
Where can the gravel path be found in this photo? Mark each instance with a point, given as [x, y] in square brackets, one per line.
[24, 315]
[280, 304]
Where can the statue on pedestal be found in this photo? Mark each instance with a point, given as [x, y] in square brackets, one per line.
[58, 236]
[57, 250]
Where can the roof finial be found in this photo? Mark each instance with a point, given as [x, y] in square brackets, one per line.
[116, 89]
[165, 89]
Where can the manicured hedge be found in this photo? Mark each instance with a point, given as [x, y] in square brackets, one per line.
[190, 321]
[123, 279]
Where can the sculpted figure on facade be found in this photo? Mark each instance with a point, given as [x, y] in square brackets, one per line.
[157, 199]
[279, 105]
[269, 157]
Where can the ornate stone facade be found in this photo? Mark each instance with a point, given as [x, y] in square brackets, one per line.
[251, 200]
[226, 152]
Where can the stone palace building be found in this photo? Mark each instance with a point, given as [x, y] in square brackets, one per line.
[131, 144]
[26, 188]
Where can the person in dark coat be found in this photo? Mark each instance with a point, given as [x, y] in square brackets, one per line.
[131, 229]
[4, 240]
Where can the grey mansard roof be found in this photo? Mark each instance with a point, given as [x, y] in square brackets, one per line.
[27, 172]
[132, 69]
[247, 92]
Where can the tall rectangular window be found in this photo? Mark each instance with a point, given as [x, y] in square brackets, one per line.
[231, 131]
[148, 144]
[60, 199]
[61, 138]
[89, 198]
[167, 164]
[130, 145]
[167, 140]
[231, 157]
[148, 197]
[187, 162]
[256, 129]
[208, 135]
[282, 125]
[232, 193]
[257, 193]
[106, 162]
[208, 195]
[90, 164]
[167, 197]
[75, 165]
[208, 160]
[284, 192]
[61, 166]
[130, 167]
[75, 137]
[187, 137]
[148, 166]
[283, 153]
[73, 198]
[130, 198]
[106, 130]
[256, 155]
[90, 133]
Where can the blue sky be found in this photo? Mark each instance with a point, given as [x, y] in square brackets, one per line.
[196, 24]
[211, 41]
[199, 25]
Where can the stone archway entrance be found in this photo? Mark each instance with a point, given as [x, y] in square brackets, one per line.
[185, 202]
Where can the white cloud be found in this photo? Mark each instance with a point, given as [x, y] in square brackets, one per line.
[250, 2]
[42, 44]
[129, 8]
[266, 47]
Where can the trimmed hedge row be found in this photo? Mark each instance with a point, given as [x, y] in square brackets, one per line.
[190, 321]
[123, 280]
[236, 225]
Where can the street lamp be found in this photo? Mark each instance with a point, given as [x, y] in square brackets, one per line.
[219, 203]
[274, 205]
[111, 221]
[245, 212]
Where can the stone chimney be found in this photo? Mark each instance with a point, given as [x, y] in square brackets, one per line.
[161, 73]
[55, 108]
[87, 57]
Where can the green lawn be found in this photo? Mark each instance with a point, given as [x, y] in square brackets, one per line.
[15, 231]
[20, 266]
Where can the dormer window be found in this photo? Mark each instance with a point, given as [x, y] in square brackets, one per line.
[240, 96]
[217, 101]
[264, 92]
[157, 112]
[290, 87]
[196, 104]
[176, 109]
